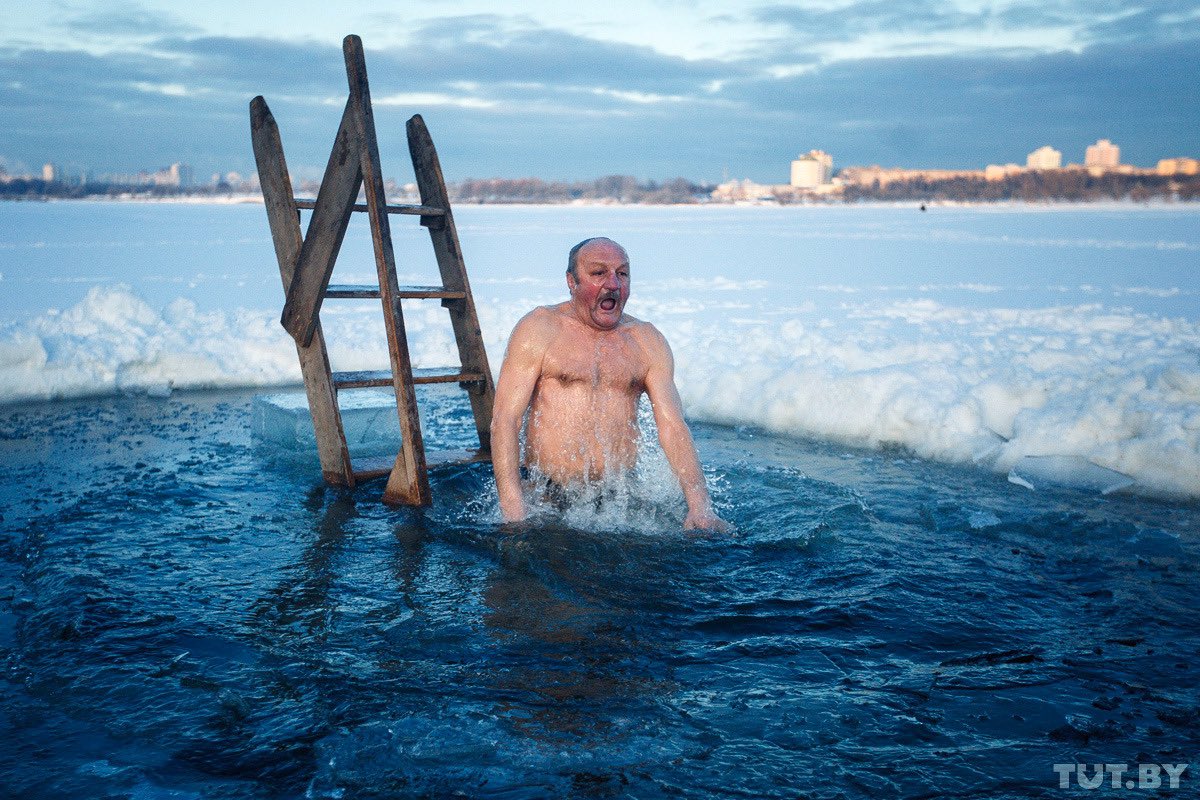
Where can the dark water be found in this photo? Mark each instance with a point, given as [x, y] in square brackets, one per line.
[187, 614]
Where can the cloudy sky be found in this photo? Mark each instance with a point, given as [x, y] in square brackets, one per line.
[656, 89]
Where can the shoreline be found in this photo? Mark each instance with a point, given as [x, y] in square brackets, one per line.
[1006, 205]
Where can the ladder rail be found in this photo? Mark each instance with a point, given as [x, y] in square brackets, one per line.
[332, 451]
[326, 230]
[444, 236]
[408, 483]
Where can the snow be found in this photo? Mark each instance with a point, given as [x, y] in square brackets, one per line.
[1054, 346]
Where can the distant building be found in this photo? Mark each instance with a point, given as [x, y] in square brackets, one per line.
[813, 169]
[182, 173]
[177, 175]
[998, 172]
[882, 176]
[50, 173]
[1045, 157]
[1178, 166]
[1103, 154]
[743, 191]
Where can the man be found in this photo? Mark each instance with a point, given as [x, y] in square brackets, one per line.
[580, 368]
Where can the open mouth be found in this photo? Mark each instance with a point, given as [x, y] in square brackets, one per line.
[608, 304]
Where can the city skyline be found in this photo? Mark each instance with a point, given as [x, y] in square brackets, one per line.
[809, 170]
[693, 89]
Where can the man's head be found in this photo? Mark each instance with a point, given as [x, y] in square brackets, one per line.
[598, 279]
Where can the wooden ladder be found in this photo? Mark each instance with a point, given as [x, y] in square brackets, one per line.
[306, 265]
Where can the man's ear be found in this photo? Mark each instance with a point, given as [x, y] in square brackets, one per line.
[571, 281]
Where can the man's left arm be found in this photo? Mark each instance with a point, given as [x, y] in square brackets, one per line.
[674, 436]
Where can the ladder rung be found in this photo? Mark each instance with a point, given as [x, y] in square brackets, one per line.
[377, 466]
[419, 292]
[415, 210]
[382, 377]
[345, 291]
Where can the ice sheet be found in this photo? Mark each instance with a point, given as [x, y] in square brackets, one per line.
[972, 335]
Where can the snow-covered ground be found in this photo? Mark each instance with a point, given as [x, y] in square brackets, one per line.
[986, 334]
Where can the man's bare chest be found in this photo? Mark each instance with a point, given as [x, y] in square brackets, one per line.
[614, 363]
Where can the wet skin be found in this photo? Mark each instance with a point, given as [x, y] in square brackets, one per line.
[580, 367]
[583, 412]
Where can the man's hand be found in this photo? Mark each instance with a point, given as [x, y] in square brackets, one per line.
[513, 510]
[706, 521]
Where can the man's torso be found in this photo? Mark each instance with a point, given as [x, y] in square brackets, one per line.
[583, 413]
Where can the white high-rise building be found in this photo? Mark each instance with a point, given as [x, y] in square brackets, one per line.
[1102, 154]
[1045, 157]
[181, 174]
[813, 169]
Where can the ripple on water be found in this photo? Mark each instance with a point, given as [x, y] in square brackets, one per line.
[193, 616]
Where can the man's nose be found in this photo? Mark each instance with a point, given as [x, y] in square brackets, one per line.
[611, 281]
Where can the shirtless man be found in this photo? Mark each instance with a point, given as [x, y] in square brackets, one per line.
[581, 367]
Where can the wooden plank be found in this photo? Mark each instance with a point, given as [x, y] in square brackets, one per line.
[363, 379]
[370, 467]
[444, 237]
[346, 292]
[416, 211]
[408, 483]
[378, 466]
[326, 229]
[285, 232]
[430, 292]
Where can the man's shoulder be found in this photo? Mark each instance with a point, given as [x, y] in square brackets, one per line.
[542, 319]
[642, 330]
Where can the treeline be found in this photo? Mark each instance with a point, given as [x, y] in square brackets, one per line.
[1036, 185]
[1031, 186]
[38, 189]
[616, 188]
[613, 188]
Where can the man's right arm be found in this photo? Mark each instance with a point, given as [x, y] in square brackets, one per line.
[518, 377]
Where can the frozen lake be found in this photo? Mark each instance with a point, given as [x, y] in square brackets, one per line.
[966, 334]
[189, 612]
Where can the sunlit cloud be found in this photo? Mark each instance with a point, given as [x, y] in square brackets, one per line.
[411, 99]
[168, 89]
[644, 98]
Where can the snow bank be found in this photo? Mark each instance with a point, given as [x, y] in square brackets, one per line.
[113, 341]
[993, 386]
[1114, 388]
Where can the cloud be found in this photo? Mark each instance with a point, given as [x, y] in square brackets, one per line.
[1170, 20]
[965, 110]
[869, 28]
[126, 20]
[507, 96]
[868, 16]
[502, 50]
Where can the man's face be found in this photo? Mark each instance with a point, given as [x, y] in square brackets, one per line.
[600, 286]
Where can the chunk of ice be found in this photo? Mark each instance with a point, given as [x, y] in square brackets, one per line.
[368, 417]
[1033, 472]
[986, 446]
[978, 520]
